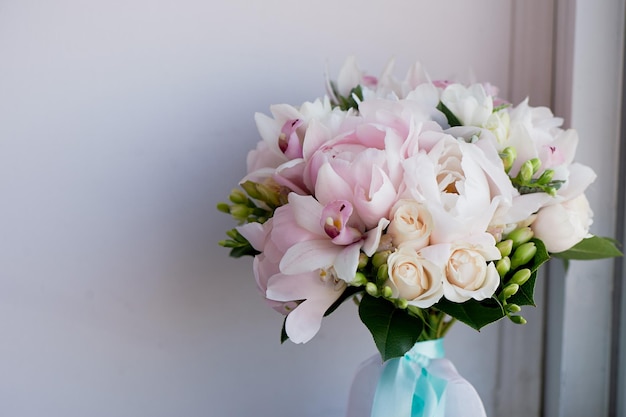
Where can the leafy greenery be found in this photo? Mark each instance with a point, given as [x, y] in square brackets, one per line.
[351, 101]
[395, 331]
[595, 247]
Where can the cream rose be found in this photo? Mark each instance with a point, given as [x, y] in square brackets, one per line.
[411, 225]
[469, 274]
[414, 278]
[561, 226]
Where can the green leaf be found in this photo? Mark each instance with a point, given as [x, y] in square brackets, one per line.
[452, 119]
[394, 330]
[476, 314]
[595, 247]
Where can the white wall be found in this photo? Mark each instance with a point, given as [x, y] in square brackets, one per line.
[122, 124]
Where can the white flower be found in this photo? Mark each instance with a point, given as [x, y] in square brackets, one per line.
[471, 105]
[414, 277]
[411, 224]
[468, 273]
[561, 226]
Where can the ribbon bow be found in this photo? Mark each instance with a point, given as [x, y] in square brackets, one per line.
[407, 388]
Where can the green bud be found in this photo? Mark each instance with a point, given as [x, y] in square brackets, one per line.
[371, 289]
[380, 258]
[512, 308]
[523, 254]
[359, 279]
[387, 292]
[520, 277]
[402, 303]
[536, 164]
[518, 319]
[505, 247]
[382, 275]
[503, 266]
[509, 291]
[546, 177]
[240, 211]
[551, 191]
[508, 156]
[238, 197]
[251, 189]
[223, 207]
[269, 195]
[363, 260]
[520, 236]
[526, 172]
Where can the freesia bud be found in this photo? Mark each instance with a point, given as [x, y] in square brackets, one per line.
[363, 260]
[508, 156]
[503, 266]
[238, 197]
[526, 171]
[509, 291]
[520, 236]
[402, 303]
[513, 308]
[536, 164]
[380, 258]
[523, 254]
[240, 211]
[520, 277]
[382, 274]
[251, 189]
[546, 177]
[518, 319]
[371, 289]
[387, 291]
[359, 280]
[223, 207]
[505, 247]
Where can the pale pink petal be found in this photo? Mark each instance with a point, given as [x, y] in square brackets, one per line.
[307, 212]
[255, 233]
[330, 186]
[309, 256]
[372, 241]
[347, 262]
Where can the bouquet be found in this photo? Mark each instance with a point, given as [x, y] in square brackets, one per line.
[426, 201]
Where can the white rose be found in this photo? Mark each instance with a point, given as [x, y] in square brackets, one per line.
[468, 273]
[411, 224]
[414, 278]
[561, 226]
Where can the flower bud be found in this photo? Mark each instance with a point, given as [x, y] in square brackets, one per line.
[238, 197]
[512, 308]
[380, 258]
[526, 172]
[518, 319]
[387, 291]
[523, 254]
[520, 277]
[503, 266]
[240, 211]
[359, 279]
[363, 260]
[251, 189]
[223, 207]
[546, 177]
[536, 164]
[520, 236]
[402, 303]
[382, 275]
[509, 291]
[505, 247]
[508, 156]
[371, 289]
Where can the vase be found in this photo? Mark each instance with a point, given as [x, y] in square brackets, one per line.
[422, 383]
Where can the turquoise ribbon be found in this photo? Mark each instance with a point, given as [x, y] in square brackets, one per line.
[407, 389]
